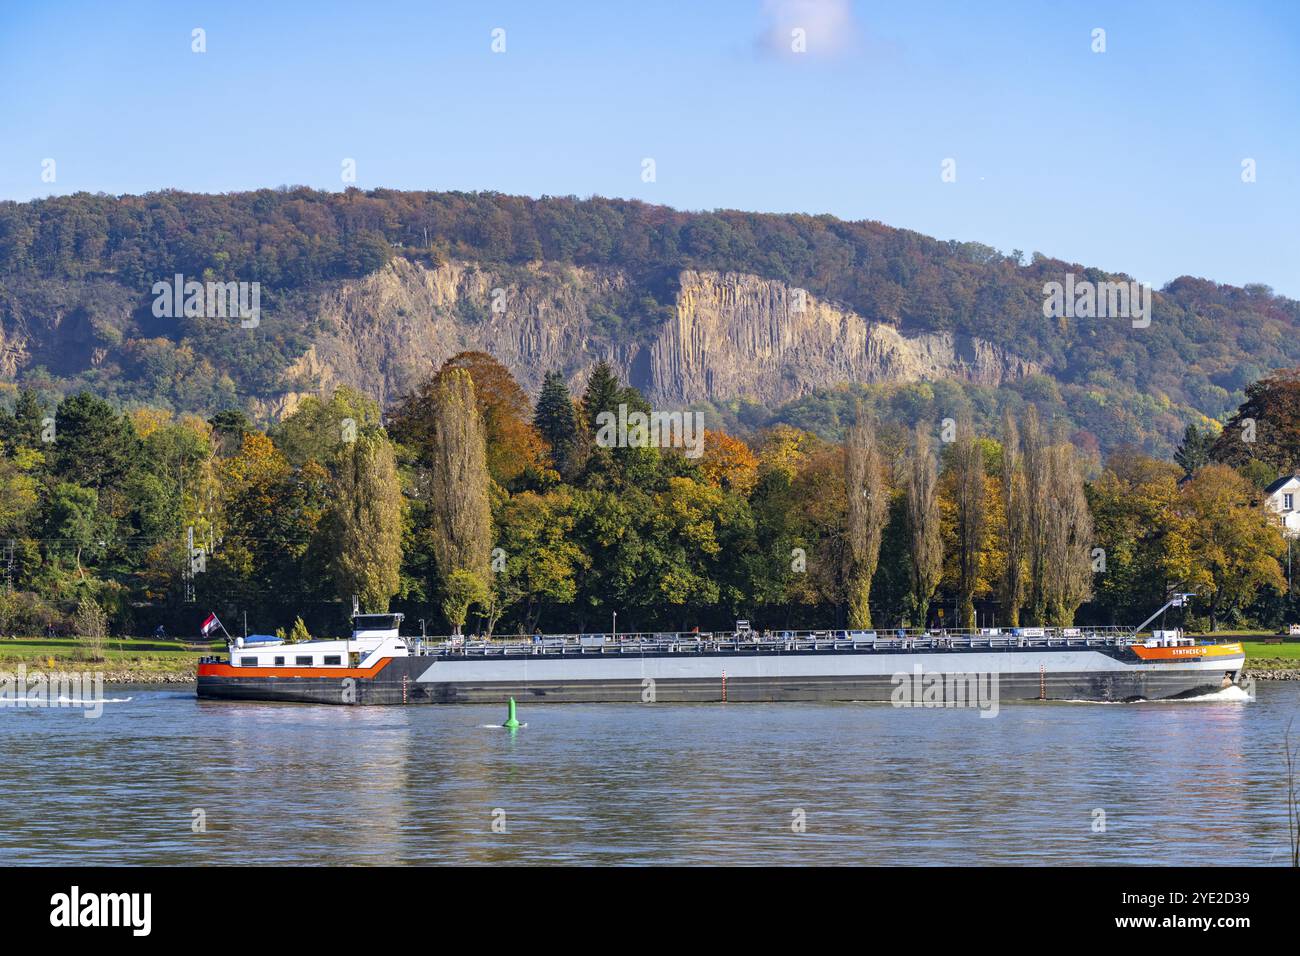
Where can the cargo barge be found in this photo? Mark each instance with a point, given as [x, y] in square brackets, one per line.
[376, 665]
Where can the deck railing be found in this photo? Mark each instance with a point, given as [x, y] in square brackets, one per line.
[775, 641]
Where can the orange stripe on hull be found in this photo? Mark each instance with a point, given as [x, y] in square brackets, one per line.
[229, 670]
[1196, 652]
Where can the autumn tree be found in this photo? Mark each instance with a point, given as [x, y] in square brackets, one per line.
[683, 540]
[512, 444]
[19, 489]
[1067, 566]
[867, 497]
[819, 505]
[968, 494]
[777, 559]
[269, 515]
[317, 427]
[459, 507]
[540, 554]
[512, 441]
[298, 634]
[1037, 477]
[1011, 587]
[462, 589]
[1266, 426]
[1132, 505]
[728, 463]
[926, 558]
[1229, 543]
[365, 521]
[785, 448]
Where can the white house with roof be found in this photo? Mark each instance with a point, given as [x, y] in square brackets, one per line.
[1283, 496]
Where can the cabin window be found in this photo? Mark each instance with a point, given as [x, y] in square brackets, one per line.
[279, 662]
[333, 660]
[248, 661]
[302, 661]
[374, 622]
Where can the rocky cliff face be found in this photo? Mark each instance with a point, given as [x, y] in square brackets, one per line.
[66, 327]
[718, 336]
[740, 336]
[387, 331]
[730, 335]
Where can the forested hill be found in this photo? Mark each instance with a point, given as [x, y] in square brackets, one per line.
[375, 288]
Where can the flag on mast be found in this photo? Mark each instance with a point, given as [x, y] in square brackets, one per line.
[210, 625]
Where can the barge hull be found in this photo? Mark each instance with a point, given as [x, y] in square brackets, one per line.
[414, 681]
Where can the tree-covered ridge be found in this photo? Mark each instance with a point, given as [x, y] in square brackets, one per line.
[1206, 341]
[469, 504]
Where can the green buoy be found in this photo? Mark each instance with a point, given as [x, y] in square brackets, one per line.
[512, 723]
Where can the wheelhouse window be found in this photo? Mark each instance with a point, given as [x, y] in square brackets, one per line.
[303, 661]
[333, 660]
[374, 622]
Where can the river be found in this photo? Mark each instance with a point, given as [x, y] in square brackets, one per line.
[162, 778]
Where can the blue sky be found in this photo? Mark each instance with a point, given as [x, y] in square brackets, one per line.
[1129, 159]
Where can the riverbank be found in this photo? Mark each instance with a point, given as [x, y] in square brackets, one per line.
[124, 661]
[1272, 661]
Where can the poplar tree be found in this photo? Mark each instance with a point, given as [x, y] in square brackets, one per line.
[1067, 568]
[366, 522]
[926, 557]
[1011, 591]
[1036, 479]
[868, 507]
[968, 482]
[459, 507]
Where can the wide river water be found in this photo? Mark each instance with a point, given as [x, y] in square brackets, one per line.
[1196, 782]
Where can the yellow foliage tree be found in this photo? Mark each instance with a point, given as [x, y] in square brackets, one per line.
[1223, 545]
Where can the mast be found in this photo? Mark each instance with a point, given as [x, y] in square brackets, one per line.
[1178, 600]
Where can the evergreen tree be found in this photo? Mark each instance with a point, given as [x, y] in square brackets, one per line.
[228, 430]
[1194, 452]
[22, 428]
[603, 394]
[556, 419]
[94, 445]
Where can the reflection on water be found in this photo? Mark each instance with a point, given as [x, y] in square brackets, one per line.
[1173, 783]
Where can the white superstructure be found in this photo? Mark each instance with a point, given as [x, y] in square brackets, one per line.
[374, 637]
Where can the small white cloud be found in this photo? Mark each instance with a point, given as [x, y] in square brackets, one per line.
[819, 28]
